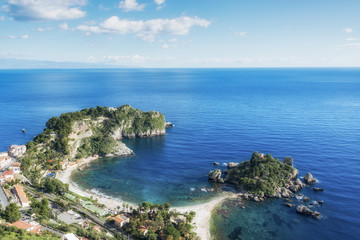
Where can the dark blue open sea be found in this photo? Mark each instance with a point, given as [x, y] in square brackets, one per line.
[220, 115]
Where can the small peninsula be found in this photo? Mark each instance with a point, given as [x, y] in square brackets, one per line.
[94, 132]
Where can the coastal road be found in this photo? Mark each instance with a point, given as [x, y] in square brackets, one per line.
[3, 199]
[90, 215]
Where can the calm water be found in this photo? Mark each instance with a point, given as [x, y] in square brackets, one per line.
[219, 115]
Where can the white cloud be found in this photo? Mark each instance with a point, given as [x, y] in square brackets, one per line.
[352, 45]
[147, 30]
[351, 39]
[44, 9]
[173, 40]
[241, 34]
[348, 30]
[131, 5]
[2, 18]
[159, 2]
[25, 36]
[44, 29]
[135, 59]
[64, 26]
[165, 46]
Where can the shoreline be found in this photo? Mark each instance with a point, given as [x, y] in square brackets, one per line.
[203, 214]
[203, 211]
[65, 177]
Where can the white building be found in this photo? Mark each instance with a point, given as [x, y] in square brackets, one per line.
[70, 236]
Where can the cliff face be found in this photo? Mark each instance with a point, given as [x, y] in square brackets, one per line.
[91, 131]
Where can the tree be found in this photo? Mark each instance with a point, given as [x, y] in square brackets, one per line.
[12, 213]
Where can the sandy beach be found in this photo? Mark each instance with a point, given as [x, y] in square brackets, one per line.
[203, 214]
[65, 175]
[203, 211]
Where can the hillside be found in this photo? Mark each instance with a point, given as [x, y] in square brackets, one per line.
[94, 131]
[262, 175]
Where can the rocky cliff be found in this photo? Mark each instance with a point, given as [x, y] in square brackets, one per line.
[89, 132]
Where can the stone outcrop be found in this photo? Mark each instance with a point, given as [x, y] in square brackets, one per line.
[304, 210]
[309, 179]
[316, 189]
[215, 176]
[231, 165]
[16, 151]
[169, 125]
[288, 161]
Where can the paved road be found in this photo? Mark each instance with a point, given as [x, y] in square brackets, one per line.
[3, 199]
[90, 215]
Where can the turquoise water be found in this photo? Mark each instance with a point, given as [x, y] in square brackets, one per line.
[219, 115]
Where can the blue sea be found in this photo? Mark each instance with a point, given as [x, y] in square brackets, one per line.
[220, 115]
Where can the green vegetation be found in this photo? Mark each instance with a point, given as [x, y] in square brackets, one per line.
[55, 186]
[41, 209]
[260, 174]
[85, 133]
[13, 233]
[156, 221]
[11, 213]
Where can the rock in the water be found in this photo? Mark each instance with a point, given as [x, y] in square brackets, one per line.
[306, 199]
[231, 165]
[299, 183]
[216, 163]
[321, 202]
[256, 199]
[318, 189]
[168, 125]
[309, 179]
[302, 209]
[215, 176]
[288, 161]
[316, 215]
[290, 205]
[295, 188]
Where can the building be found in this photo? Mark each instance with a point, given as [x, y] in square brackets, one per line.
[5, 160]
[20, 194]
[7, 176]
[70, 236]
[120, 220]
[4, 154]
[29, 227]
[15, 167]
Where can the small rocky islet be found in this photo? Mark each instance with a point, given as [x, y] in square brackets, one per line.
[264, 177]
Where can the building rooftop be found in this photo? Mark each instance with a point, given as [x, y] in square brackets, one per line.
[21, 194]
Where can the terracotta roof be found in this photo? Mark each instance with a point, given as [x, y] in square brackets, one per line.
[21, 225]
[8, 173]
[50, 161]
[21, 194]
[16, 164]
[120, 218]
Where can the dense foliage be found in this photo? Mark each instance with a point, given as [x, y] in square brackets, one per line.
[11, 213]
[54, 143]
[260, 174]
[13, 233]
[52, 185]
[156, 221]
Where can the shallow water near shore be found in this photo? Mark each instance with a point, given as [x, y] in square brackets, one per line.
[220, 115]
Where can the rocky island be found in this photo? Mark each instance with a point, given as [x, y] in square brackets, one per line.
[94, 132]
[266, 177]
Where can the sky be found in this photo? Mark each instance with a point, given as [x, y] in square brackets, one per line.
[179, 33]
